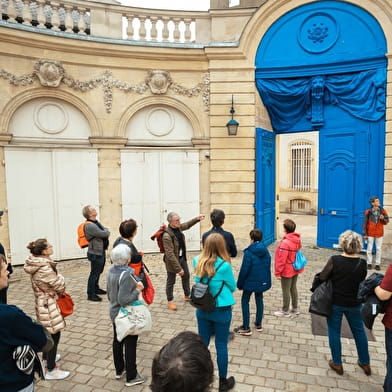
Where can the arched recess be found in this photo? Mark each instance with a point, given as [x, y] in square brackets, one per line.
[271, 11]
[162, 101]
[322, 66]
[29, 95]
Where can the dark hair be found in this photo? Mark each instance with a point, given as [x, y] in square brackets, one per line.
[38, 246]
[127, 228]
[217, 217]
[289, 225]
[256, 235]
[183, 364]
[371, 200]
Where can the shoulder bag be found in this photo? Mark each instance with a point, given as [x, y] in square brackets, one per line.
[133, 319]
[201, 297]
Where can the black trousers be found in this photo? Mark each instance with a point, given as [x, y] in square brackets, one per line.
[50, 356]
[171, 280]
[128, 347]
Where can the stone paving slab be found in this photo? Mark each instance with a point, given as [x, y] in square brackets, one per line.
[284, 357]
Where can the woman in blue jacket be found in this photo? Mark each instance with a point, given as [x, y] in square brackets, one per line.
[214, 263]
[254, 277]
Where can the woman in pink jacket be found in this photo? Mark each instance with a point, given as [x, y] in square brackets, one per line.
[284, 271]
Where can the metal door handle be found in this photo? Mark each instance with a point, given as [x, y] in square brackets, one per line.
[321, 211]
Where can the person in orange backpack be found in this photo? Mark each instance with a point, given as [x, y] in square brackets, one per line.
[375, 219]
[98, 241]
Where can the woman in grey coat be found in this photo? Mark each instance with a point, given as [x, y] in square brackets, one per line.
[123, 289]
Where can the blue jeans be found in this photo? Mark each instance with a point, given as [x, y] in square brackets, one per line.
[388, 348]
[245, 308]
[216, 323]
[353, 316]
[97, 264]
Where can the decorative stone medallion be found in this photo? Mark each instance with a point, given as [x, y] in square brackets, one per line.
[318, 33]
[159, 121]
[158, 81]
[50, 117]
[50, 73]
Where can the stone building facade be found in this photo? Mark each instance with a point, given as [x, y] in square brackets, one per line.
[131, 117]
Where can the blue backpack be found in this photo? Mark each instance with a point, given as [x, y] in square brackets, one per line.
[300, 261]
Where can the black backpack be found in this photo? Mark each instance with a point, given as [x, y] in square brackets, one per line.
[201, 297]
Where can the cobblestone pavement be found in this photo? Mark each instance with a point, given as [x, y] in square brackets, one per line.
[284, 357]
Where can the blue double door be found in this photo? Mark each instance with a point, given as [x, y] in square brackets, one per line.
[351, 170]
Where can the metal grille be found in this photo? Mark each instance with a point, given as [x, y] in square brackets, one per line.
[301, 165]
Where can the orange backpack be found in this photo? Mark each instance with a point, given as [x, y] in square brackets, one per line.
[82, 239]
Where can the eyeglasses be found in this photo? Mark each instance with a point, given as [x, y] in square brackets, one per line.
[177, 220]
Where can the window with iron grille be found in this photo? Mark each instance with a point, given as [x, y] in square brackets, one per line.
[301, 165]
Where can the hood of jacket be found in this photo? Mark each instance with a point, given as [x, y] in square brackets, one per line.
[257, 248]
[34, 263]
[293, 240]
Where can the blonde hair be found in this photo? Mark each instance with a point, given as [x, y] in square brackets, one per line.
[214, 246]
[350, 242]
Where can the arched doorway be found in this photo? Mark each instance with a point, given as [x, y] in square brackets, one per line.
[322, 67]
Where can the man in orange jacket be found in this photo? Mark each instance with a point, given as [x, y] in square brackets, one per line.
[373, 230]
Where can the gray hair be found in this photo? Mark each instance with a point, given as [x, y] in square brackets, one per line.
[350, 242]
[86, 211]
[121, 254]
[171, 215]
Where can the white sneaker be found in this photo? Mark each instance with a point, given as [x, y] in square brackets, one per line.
[282, 313]
[56, 374]
[136, 381]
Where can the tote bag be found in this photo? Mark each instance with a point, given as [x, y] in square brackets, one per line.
[321, 299]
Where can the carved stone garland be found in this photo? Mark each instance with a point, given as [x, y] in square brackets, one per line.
[51, 74]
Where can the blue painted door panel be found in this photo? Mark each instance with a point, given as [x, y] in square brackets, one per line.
[265, 184]
[349, 172]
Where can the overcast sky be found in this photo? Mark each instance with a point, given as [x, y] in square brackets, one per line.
[194, 5]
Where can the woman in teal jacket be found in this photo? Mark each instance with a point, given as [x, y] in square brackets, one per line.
[214, 263]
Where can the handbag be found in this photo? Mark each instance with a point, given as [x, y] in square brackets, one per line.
[321, 299]
[65, 304]
[133, 319]
[148, 292]
[201, 297]
[300, 261]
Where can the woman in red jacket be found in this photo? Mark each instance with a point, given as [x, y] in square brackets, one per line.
[284, 270]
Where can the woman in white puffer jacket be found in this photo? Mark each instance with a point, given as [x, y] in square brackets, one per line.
[47, 284]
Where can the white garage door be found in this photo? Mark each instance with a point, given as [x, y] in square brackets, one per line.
[46, 190]
[155, 183]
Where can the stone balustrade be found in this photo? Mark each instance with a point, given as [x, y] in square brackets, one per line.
[103, 20]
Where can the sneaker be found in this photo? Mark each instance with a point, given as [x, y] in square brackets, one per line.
[369, 266]
[295, 311]
[56, 374]
[282, 313]
[377, 267]
[119, 375]
[137, 380]
[242, 331]
[171, 305]
[45, 362]
[258, 327]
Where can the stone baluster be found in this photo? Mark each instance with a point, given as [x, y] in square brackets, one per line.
[55, 19]
[187, 33]
[142, 28]
[11, 12]
[26, 13]
[154, 31]
[81, 21]
[69, 23]
[41, 19]
[165, 29]
[176, 32]
[130, 29]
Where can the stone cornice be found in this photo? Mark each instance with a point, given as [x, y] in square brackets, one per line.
[108, 142]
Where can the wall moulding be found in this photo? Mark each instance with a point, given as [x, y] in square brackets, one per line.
[52, 74]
